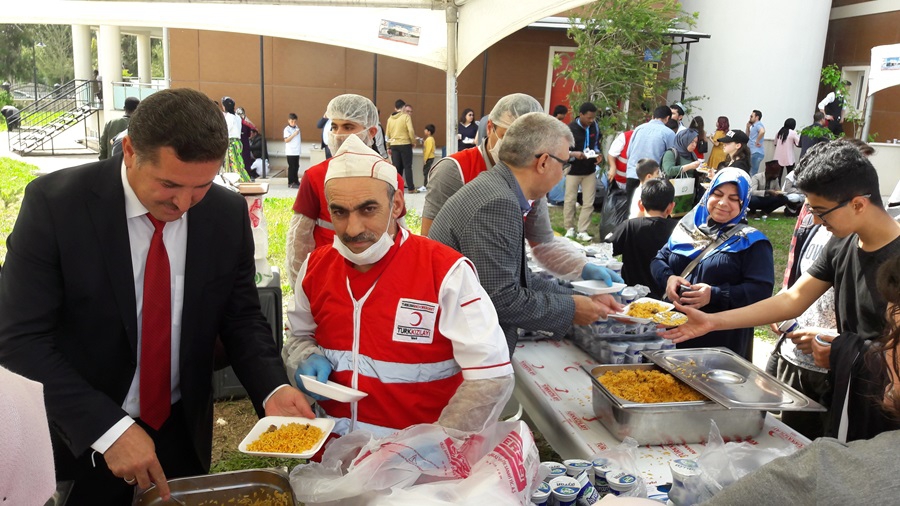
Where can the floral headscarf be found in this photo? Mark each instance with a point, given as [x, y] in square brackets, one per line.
[696, 230]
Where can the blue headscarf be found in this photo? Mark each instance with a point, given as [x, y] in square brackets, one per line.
[696, 230]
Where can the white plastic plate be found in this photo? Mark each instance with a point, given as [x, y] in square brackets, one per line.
[597, 287]
[623, 316]
[331, 390]
[326, 424]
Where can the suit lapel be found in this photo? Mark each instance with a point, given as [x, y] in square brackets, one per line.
[198, 264]
[107, 212]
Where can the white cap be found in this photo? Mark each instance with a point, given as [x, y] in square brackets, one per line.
[355, 159]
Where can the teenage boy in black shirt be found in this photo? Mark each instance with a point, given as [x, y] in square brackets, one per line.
[639, 239]
[842, 192]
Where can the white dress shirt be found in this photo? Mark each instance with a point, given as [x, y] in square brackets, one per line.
[140, 232]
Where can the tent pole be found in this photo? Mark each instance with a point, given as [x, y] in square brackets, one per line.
[452, 26]
[867, 122]
[262, 104]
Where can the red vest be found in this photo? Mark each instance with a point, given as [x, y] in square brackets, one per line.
[323, 233]
[622, 160]
[470, 163]
[408, 371]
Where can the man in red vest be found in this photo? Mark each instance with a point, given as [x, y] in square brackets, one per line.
[451, 173]
[310, 227]
[424, 352]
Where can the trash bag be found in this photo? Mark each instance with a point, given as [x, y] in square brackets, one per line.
[615, 211]
[425, 465]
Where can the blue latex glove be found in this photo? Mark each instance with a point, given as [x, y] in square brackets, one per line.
[594, 271]
[316, 366]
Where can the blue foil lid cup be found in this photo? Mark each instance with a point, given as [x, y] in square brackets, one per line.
[541, 495]
[556, 469]
[575, 466]
[565, 488]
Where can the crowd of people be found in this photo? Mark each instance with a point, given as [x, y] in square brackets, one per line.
[122, 275]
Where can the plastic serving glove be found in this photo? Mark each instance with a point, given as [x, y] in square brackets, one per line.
[593, 271]
[316, 366]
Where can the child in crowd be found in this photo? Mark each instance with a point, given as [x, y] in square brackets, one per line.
[427, 153]
[646, 169]
[639, 239]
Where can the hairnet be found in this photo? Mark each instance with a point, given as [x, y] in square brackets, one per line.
[511, 107]
[355, 108]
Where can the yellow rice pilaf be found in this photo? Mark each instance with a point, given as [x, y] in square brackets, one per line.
[644, 309]
[289, 438]
[648, 386]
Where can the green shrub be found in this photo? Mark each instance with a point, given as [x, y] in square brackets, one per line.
[12, 187]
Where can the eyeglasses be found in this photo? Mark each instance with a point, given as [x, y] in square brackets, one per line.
[823, 214]
[566, 165]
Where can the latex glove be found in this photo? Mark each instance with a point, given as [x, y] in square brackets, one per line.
[597, 272]
[316, 366]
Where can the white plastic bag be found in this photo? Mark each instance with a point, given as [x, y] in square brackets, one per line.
[722, 464]
[425, 465]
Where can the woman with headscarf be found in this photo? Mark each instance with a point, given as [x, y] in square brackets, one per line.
[681, 158]
[233, 160]
[714, 261]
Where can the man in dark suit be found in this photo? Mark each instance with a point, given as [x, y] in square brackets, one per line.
[484, 221]
[113, 294]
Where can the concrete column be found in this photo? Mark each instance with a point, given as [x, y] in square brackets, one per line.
[81, 51]
[109, 56]
[756, 59]
[143, 54]
[165, 43]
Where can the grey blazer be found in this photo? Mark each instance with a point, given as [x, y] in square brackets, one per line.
[483, 221]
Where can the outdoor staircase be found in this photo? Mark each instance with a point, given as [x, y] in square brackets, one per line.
[44, 119]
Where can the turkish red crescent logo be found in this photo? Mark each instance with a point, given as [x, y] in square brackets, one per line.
[589, 419]
[563, 390]
[416, 323]
[570, 367]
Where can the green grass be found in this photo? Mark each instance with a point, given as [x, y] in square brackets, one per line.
[12, 188]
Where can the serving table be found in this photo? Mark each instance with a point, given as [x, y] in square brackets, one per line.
[555, 393]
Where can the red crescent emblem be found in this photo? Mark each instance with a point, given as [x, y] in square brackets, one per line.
[589, 419]
[563, 390]
[416, 324]
[570, 367]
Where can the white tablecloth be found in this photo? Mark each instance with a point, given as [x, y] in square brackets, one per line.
[556, 394]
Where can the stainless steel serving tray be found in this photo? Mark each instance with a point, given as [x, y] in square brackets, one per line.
[671, 422]
[223, 488]
[730, 380]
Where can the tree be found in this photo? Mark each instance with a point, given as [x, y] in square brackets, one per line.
[13, 38]
[832, 77]
[622, 48]
[54, 59]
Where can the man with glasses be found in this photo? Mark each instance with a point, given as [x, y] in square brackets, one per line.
[842, 193]
[587, 155]
[451, 173]
[485, 221]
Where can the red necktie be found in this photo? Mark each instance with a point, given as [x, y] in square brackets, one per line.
[156, 333]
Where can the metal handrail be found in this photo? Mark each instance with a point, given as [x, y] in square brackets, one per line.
[53, 113]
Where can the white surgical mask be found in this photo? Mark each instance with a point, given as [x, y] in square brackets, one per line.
[495, 151]
[370, 255]
[335, 140]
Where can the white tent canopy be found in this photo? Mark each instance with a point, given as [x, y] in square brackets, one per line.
[447, 41]
[884, 72]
